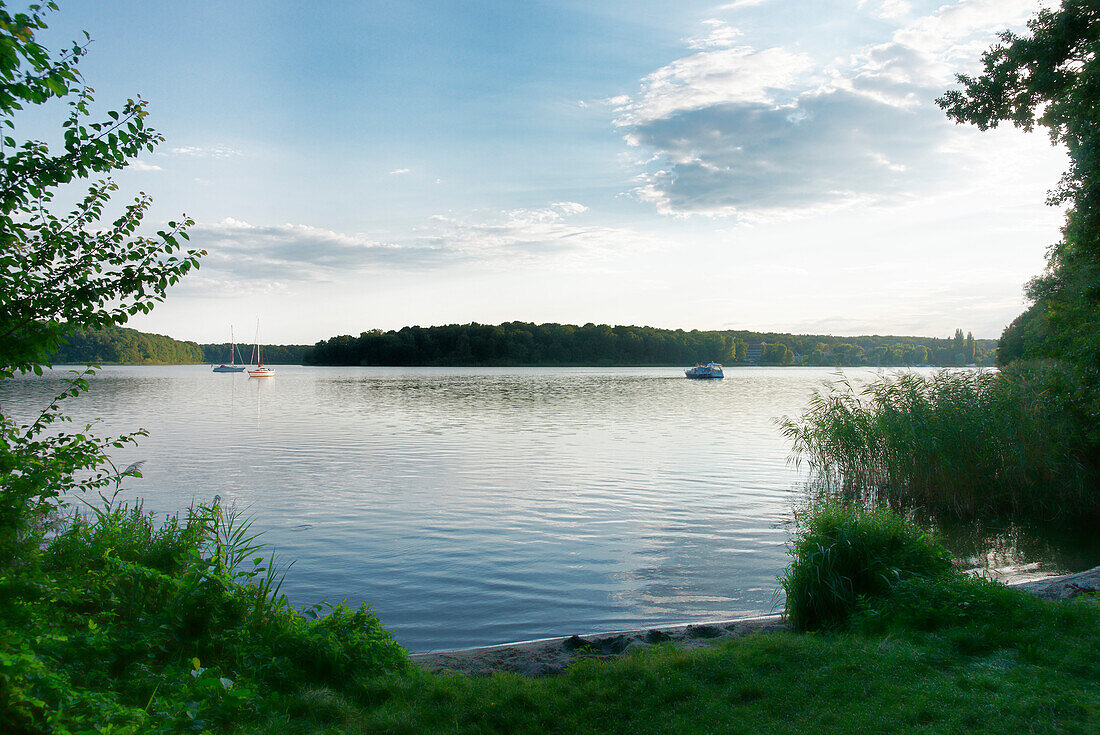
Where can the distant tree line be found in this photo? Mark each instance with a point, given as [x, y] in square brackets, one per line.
[122, 346]
[522, 343]
[273, 354]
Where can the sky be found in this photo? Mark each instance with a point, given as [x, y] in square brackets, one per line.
[770, 165]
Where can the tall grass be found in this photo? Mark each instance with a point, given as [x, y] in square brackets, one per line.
[972, 443]
[845, 553]
[138, 624]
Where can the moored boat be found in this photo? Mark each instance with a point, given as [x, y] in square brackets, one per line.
[234, 367]
[701, 371]
[259, 371]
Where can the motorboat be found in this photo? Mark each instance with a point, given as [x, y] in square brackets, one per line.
[704, 371]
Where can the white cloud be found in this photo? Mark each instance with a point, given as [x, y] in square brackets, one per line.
[217, 151]
[739, 4]
[712, 78]
[532, 234]
[720, 34]
[279, 254]
[742, 131]
[886, 8]
[398, 171]
[143, 166]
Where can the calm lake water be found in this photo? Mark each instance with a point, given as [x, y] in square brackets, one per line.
[478, 506]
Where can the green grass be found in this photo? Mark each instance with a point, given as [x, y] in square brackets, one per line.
[1039, 676]
[130, 626]
[958, 442]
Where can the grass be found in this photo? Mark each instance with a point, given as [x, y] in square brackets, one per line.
[844, 553]
[961, 442]
[129, 625]
[1039, 676]
[160, 627]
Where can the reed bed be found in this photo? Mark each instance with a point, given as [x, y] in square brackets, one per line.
[968, 442]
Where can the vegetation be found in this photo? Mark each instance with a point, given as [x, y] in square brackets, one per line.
[1025, 441]
[987, 660]
[846, 553]
[134, 625]
[913, 646]
[522, 343]
[963, 444]
[146, 627]
[119, 345]
[118, 622]
[122, 346]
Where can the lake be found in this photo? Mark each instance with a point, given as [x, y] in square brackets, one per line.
[472, 506]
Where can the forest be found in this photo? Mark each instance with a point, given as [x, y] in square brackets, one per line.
[523, 343]
[123, 346]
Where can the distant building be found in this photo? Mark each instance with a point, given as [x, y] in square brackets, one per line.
[753, 352]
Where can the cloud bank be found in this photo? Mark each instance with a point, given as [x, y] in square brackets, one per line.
[733, 130]
[265, 256]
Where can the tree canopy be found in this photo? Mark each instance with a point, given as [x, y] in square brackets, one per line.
[523, 343]
[1051, 79]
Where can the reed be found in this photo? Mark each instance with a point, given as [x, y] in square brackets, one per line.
[971, 443]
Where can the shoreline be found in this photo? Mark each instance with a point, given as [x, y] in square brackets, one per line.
[547, 656]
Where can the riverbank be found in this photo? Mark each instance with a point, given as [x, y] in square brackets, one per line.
[547, 656]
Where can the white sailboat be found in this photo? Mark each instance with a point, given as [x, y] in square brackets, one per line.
[259, 371]
[233, 367]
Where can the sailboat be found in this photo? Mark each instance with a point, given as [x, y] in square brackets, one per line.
[233, 367]
[259, 371]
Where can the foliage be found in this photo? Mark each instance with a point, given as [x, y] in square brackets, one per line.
[122, 346]
[1051, 78]
[63, 271]
[119, 345]
[168, 626]
[73, 268]
[965, 443]
[845, 553]
[522, 343]
[1017, 665]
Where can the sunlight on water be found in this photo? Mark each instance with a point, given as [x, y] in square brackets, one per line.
[478, 506]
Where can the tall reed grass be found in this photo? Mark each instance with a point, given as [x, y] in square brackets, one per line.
[972, 443]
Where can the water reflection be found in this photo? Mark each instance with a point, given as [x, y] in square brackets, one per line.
[476, 506]
[999, 548]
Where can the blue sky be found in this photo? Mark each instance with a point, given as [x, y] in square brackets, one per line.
[759, 164]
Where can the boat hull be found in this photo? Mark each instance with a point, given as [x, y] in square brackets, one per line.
[228, 369]
[710, 371]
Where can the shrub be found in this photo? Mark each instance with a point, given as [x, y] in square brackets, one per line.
[844, 553]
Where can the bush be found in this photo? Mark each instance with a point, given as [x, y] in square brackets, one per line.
[168, 627]
[843, 554]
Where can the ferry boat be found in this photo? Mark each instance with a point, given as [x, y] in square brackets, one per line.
[701, 371]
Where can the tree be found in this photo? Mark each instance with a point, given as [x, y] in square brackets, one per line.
[59, 272]
[1051, 79]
